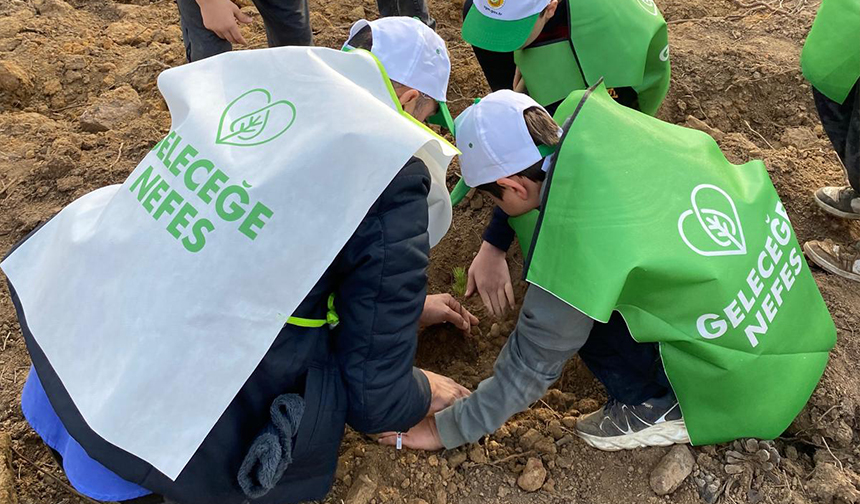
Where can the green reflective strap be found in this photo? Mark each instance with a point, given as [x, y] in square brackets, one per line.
[460, 191]
[331, 318]
[442, 117]
[304, 322]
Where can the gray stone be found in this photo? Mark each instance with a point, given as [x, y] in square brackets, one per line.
[361, 491]
[672, 470]
[533, 476]
[111, 110]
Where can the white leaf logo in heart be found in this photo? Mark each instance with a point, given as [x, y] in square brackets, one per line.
[723, 228]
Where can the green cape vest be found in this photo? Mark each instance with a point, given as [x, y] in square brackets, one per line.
[696, 253]
[831, 55]
[626, 43]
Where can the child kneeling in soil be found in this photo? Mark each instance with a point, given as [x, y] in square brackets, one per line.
[286, 385]
[695, 253]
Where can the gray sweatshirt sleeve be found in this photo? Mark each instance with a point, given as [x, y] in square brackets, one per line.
[548, 333]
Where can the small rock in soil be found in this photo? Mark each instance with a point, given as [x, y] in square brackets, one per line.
[111, 110]
[433, 460]
[530, 438]
[456, 459]
[672, 470]
[362, 490]
[477, 455]
[843, 434]
[546, 445]
[127, 32]
[791, 452]
[8, 495]
[569, 422]
[555, 429]
[564, 462]
[495, 331]
[52, 8]
[708, 486]
[533, 476]
[14, 80]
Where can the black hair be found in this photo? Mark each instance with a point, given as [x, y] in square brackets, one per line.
[362, 40]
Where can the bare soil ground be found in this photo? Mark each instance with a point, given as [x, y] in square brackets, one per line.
[735, 75]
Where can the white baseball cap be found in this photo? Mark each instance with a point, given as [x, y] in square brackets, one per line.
[494, 139]
[412, 53]
[501, 25]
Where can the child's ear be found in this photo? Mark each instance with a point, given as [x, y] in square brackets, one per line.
[408, 97]
[514, 184]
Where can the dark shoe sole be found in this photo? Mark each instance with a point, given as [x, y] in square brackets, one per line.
[822, 263]
[834, 211]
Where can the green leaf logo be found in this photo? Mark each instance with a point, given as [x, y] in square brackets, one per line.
[718, 217]
[254, 119]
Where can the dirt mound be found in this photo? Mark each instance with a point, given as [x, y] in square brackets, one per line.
[79, 107]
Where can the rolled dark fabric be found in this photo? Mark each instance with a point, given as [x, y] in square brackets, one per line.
[287, 411]
[263, 465]
[272, 451]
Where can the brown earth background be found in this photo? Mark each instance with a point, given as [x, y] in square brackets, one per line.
[79, 108]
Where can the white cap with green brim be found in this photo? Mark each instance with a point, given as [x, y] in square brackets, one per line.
[501, 25]
[494, 139]
[411, 53]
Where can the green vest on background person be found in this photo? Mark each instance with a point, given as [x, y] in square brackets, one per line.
[624, 42]
[831, 55]
[700, 257]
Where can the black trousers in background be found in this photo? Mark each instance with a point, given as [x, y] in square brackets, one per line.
[410, 8]
[287, 23]
[842, 124]
[499, 68]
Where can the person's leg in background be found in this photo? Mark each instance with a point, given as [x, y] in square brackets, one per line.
[642, 409]
[412, 8]
[287, 22]
[499, 68]
[200, 42]
[842, 124]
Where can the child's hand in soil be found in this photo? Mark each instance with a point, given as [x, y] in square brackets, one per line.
[423, 436]
[444, 391]
[490, 276]
[222, 18]
[442, 308]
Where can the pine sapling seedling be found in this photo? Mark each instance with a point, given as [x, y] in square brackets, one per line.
[459, 285]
